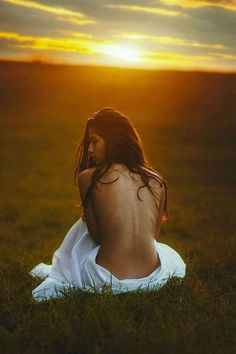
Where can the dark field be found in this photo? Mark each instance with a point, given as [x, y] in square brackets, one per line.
[187, 122]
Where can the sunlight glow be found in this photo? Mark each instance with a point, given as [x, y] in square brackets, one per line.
[80, 45]
[121, 52]
[95, 48]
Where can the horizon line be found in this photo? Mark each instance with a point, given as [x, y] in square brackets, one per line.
[52, 63]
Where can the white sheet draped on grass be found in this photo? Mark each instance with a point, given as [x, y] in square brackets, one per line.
[74, 266]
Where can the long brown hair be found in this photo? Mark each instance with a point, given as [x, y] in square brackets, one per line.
[123, 145]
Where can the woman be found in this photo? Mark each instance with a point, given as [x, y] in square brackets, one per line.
[124, 202]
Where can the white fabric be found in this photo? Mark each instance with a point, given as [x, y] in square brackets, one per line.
[74, 265]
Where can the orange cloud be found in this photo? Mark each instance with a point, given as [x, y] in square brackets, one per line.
[60, 12]
[75, 44]
[225, 4]
[185, 61]
[167, 40]
[175, 59]
[145, 9]
[100, 48]
[44, 43]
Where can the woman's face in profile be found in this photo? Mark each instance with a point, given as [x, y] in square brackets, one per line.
[97, 147]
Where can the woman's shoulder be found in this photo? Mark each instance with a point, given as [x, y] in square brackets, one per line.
[115, 171]
[118, 169]
[86, 175]
[156, 180]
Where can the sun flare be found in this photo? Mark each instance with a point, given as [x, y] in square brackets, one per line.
[122, 52]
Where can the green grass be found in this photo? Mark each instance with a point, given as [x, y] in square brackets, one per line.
[193, 148]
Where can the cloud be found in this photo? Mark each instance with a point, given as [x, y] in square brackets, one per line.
[210, 61]
[175, 58]
[44, 43]
[151, 34]
[168, 40]
[230, 57]
[95, 48]
[61, 12]
[76, 44]
[145, 9]
[225, 4]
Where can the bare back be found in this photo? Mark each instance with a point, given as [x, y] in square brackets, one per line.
[127, 226]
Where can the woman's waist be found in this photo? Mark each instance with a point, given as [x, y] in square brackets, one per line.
[127, 246]
[128, 263]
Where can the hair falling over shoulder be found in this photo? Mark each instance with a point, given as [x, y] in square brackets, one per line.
[123, 146]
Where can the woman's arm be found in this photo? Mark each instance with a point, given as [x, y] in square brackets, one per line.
[84, 182]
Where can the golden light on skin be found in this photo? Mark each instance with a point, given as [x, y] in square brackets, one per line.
[168, 40]
[151, 10]
[61, 12]
[201, 3]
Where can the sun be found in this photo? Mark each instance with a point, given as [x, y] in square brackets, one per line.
[122, 52]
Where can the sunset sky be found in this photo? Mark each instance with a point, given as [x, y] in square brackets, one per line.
[170, 34]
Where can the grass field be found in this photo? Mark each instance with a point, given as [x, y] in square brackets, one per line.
[187, 122]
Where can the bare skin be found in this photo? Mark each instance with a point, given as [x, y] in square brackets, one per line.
[121, 224]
